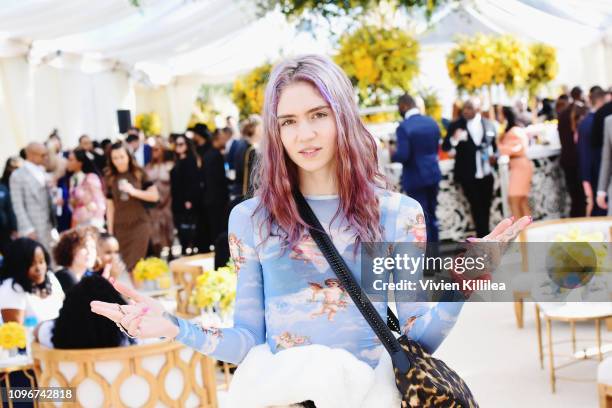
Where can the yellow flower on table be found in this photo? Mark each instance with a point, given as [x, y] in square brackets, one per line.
[150, 269]
[12, 335]
[216, 287]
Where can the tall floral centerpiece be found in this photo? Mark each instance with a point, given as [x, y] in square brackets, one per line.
[248, 90]
[380, 62]
[544, 67]
[483, 60]
[149, 123]
[477, 63]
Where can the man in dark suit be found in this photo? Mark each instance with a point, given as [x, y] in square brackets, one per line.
[216, 193]
[418, 138]
[87, 145]
[569, 155]
[142, 151]
[473, 139]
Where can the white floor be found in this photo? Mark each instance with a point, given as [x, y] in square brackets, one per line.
[500, 362]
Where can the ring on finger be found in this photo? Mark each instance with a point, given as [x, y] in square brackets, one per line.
[121, 310]
[120, 326]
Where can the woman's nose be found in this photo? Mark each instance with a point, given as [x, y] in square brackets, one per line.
[305, 131]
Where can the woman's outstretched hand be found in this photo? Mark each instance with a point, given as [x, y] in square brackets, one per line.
[503, 234]
[506, 231]
[142, 318]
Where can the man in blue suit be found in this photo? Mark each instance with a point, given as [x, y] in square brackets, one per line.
[418, 138]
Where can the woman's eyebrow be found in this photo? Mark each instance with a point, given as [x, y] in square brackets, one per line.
[309, 111]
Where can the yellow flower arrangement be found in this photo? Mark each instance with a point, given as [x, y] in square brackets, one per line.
[472, 63]
[150, 269]
[514, 59]
[596, 241]
[149, 123]
[544, 67]
[380, 62]
[216, 288]
[248, 91]
[433, 107]
[380, 117]
[203, 112]
[12, 335]
[485, 60]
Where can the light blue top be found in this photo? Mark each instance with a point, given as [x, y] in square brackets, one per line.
[293, 298]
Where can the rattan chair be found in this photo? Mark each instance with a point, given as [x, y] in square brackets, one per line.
[164, 373]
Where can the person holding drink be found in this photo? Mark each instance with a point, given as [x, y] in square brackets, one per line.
[128, 192]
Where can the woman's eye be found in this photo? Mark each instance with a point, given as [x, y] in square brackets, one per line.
[319, 115]
[287, 122]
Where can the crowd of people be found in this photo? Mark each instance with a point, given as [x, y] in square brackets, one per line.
[71, 218]
[100, 207]
[476, 139]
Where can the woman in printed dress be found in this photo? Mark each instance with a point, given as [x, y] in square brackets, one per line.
[288, 352]
[87, 199]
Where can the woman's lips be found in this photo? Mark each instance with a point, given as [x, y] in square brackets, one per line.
[310, 152]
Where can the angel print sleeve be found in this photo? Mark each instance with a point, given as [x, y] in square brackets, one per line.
[425, 322]
[232, 344]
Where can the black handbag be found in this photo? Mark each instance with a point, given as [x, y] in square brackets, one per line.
[423, 381]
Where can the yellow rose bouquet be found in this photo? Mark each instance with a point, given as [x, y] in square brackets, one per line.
[149, 123]
[248, 90]
[576, 257]
[216, 290]
[544, 67]
[380, 62]
[154, 270]
[12, 336]
[484, 60]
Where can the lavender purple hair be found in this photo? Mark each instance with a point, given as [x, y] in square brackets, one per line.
[357, 161]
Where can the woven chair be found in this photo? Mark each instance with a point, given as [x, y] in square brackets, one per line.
[151, 375]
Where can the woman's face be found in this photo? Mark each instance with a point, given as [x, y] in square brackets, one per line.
[38, 270]
[157, 152]
[85, 255]
[109, 248]
[307, 128]
[72, 164]
[120, 160]
[180, 147]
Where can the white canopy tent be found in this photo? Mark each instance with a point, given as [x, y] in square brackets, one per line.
[69, 64]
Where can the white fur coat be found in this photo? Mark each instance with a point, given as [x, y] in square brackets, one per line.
[331, 377]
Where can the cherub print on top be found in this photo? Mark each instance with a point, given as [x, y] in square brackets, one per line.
[420, 229]
[307, 250]
[333, 297]
[415, 224]
[409, 323]
[287, 340]
[237, 250]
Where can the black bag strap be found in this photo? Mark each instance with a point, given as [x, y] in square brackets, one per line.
[338, 265]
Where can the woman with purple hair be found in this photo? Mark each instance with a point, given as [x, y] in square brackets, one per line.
[288, 298]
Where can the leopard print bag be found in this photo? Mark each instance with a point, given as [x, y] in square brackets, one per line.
[423, 381]
[430, 382]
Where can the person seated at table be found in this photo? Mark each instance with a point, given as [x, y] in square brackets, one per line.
[29, 291]
[77, 327]
[110, 257]
[76, 252]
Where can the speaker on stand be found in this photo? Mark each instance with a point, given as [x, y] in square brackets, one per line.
[124, 118]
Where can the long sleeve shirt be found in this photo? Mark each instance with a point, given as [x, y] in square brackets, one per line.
[292, 298]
